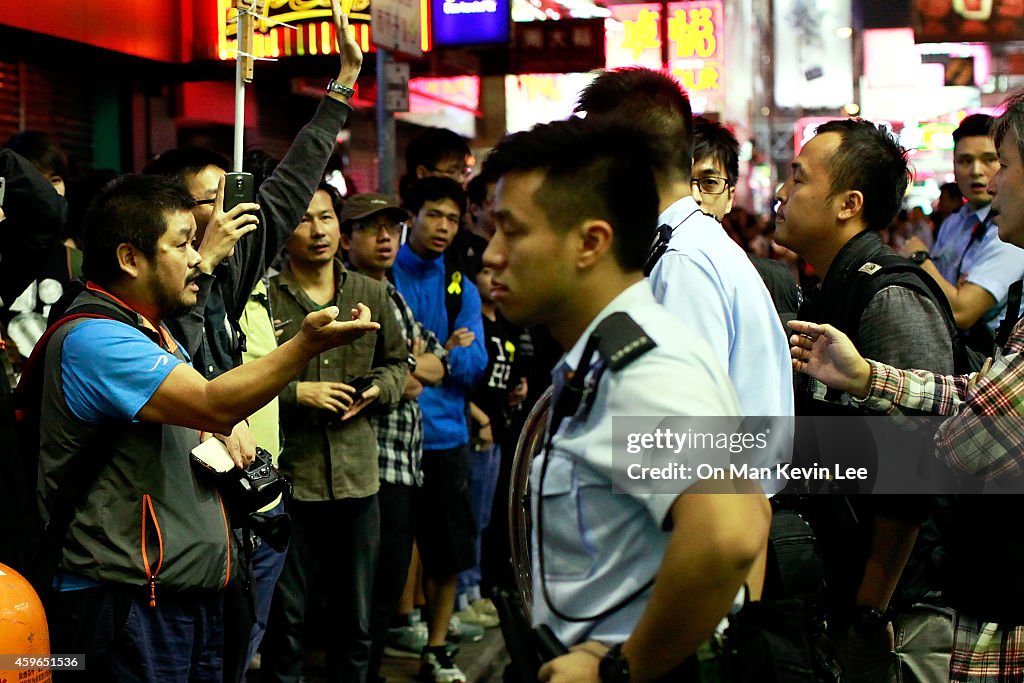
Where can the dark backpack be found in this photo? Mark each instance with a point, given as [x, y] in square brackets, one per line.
[890, 269]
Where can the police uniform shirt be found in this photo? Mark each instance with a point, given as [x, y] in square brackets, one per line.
[600, 547]
[987, 261]
[708, 282]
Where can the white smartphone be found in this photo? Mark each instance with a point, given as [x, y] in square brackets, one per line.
[213, 455]
[3, 187]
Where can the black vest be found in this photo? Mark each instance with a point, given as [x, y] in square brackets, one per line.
[144, 519]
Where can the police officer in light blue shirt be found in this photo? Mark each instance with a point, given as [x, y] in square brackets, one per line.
[702, 276]
[637, 580]
[971, 264]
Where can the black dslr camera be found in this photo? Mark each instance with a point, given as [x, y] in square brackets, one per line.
[244, 491]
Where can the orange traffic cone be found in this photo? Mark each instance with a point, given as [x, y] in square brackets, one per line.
[23, 630]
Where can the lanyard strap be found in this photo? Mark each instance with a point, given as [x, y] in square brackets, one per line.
[978, 233]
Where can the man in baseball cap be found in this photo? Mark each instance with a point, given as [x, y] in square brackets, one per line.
[371, 227]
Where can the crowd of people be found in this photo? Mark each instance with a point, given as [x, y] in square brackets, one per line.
[381, 352]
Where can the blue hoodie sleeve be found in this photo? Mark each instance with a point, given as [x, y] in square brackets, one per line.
[466, 364]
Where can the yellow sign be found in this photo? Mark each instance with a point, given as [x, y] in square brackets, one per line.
[313, 33]
[692, 31]
[642, 32]
[695, 39]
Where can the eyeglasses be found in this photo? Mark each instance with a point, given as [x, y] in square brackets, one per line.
[393, 229]
[454, 172]
[711, 184]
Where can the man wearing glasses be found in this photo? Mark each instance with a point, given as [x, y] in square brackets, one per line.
[716, 168]
[371, 227]
[437, 152]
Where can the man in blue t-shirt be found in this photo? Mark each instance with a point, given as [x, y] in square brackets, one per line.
[146, 553]
[445, 529]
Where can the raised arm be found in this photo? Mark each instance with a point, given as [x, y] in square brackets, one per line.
[285, 195]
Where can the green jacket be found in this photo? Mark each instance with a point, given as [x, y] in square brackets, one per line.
[324, 458]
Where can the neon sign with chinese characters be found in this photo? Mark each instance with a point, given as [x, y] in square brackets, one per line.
[314, 34]
[695, 42]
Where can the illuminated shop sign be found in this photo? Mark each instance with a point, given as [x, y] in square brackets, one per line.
[988, 21]
[314, 32]
[695, 42]
[470, 22]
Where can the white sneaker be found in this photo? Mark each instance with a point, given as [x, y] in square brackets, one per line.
[459, 631]
[470, 615]
[436, 666]
[406, 641]
[485, 606]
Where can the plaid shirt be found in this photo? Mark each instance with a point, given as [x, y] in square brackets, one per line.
[400, 432]
[973, 440]
[986, 652]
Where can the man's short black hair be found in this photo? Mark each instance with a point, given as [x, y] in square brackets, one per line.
[975, 125]
[131, 209]
[871, 161]
[433, 189]
[432, 147]
[476, 188]
[185, 161]
[43, 150]
[337, 201]
[713, 140]
[591, 170]
[652, 101]
[260, 164]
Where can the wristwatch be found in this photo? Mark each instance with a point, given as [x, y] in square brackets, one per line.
[869, 619]
[613, 667]
[340, 88]
[919, 257]
[411, 361]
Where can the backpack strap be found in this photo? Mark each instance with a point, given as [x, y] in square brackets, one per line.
[1013, 299]
[29, 391]
[452, 292]
[889, 270]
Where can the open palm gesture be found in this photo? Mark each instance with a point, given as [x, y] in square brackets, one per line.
[828, 355]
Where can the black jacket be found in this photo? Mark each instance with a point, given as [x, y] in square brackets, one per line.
[210, 333]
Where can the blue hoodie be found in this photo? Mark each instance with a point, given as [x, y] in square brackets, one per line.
[422, 283]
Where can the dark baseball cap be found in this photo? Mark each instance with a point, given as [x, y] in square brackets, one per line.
[366, 204]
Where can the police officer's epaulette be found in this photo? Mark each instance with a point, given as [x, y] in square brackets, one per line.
[622, 340]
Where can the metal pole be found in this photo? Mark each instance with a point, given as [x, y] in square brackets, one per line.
[663, 31]
[386, 146]
[236, 162]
